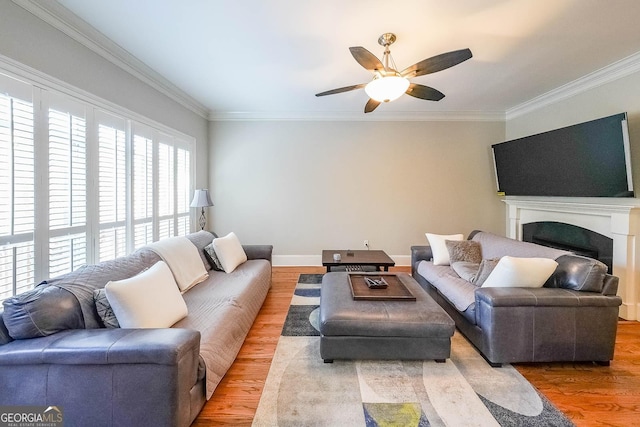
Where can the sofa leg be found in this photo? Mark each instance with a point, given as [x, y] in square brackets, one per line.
[441, 360]
[492, 364]
[328, 360]
[603, 362]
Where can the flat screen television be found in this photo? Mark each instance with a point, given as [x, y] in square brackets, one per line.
[590, 159]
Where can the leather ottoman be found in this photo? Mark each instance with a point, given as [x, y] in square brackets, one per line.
[383, 330]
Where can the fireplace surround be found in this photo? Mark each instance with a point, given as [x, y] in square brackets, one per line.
[617, 219]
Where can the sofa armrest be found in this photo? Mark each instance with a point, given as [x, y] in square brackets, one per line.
[542, 297]
[104, 347]
[124, 377]
[610, 285]
[420, 253]
[258, 251]
[546, 324]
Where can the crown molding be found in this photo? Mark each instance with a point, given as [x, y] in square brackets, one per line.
[62, 19]
[381, 116]
[610, 73]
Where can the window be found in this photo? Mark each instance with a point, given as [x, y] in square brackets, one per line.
[67, 185]
[112, 188]
[82, 185]
[17, 187]
[142, 190]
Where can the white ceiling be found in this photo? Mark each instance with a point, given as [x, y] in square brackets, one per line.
[269, 57]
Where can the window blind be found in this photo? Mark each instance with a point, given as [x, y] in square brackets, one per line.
[67, 186]
[112, 190]
[17, 184]
[109, 184]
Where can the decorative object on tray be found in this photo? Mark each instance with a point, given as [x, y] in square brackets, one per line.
[376, 282]
[394, 290]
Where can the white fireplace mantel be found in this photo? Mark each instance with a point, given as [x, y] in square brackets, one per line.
[616, 218]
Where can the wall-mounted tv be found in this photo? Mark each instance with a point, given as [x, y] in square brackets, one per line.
[590, 159]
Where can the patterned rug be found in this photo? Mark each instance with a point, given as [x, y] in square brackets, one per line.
[302, 390]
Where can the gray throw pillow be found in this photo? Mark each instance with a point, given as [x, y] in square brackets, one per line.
[485, 269]
[210, 253]
[104, 309]
[464, 250]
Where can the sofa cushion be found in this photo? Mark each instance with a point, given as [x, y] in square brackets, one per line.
[458, 291]
[578, 273]
[149, 300]
[464, 250]
[513, 272]
[42, 311]
[201, 239]
[104, 309]
[466, 270]
[229, 252]
[439, 247]
[213, 259]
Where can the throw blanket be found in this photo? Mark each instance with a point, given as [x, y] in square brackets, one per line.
[183, 259]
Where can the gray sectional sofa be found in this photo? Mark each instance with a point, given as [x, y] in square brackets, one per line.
[573, 317]
[104, 376]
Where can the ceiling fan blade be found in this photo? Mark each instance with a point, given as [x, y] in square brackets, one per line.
[424, 92]
[342, 89]
[365, 58]
[371, 105]
[437, 63]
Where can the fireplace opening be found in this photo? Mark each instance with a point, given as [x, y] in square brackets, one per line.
[569, 237]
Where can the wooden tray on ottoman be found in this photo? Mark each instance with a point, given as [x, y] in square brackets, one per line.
[395, 291]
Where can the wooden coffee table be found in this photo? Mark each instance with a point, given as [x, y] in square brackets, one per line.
[356, 260]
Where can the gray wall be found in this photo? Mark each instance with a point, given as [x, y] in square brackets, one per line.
[308, 186]
[32, 42]
[614, 97]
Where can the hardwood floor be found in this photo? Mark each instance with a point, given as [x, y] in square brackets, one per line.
[590, 395]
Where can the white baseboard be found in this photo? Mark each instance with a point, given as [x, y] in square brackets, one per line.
[316, 260]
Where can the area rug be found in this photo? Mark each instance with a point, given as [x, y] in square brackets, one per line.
[302, 390]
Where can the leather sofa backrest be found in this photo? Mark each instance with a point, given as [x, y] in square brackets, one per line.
[574, 272]
[42, 311]
[494, 246]
[578, 273]
[67, 301]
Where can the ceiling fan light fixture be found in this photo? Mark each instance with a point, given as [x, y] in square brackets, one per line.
[387, 88]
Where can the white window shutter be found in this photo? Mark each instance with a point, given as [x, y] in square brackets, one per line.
[17, 184]
[112, 191]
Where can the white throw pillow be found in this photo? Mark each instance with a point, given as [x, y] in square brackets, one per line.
[149, 300]
[512, 272]
[439, 247]
[229, 252]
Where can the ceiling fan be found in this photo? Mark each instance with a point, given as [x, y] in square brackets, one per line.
[389, 84]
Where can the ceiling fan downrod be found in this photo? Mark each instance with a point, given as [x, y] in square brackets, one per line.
[386, 40]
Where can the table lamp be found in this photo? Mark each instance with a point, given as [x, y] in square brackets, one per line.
[201, 199]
